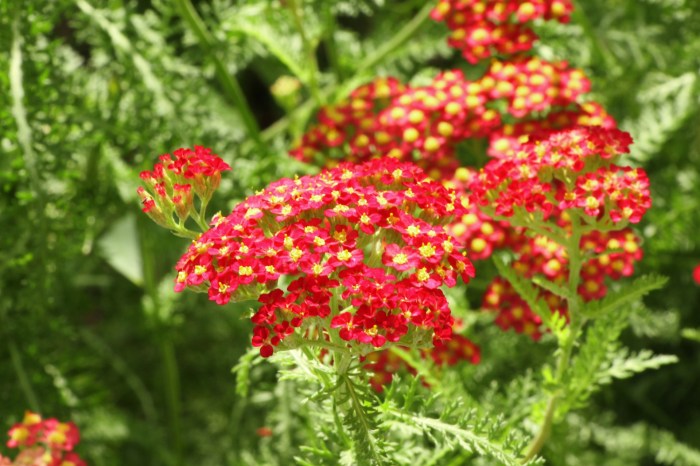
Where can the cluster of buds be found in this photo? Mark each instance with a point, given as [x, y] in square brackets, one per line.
[607, 255]
[571, 170]
[427, 122]
[363, 247]
[385, 363]
[43, 442]
[483, 28]
[171, 186]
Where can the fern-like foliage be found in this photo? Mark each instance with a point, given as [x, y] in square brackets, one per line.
[667, 102]
[623, 364]
[629, 293]
[454, 427]
[526, 290]
[601, 359]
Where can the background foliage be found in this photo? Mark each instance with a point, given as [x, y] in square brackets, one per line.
[91, 91]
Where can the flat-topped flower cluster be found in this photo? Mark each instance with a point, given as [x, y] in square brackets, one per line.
[568, 170]
[364, 247]
[426, 123]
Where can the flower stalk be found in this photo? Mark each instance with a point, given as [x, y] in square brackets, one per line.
[228, 82]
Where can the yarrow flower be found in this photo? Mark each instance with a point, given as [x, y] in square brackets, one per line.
[482, 28]
[364, 247]
[44, 442]
[537, 180]
[168, 197]
[385, 117]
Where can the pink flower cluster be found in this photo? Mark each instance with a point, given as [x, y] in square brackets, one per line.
[505, 141]
[482, 28]
[43, 442]
[364, 247]
[172, 184]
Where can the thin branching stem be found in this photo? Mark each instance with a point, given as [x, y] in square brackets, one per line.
[228, 82]
[576, 323]
[22, 377]
[400, 38]
[309, 51]
[363, 419]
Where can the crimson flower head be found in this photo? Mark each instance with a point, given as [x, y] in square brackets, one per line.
[363, 248]
[572, 169]
[696, 274]
[168, 195]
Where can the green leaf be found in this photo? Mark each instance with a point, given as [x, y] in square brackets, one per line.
[525, 289]
[622, 365]
[552, 287]
[242, 371]
[120, 248]
[667, 103]
[639, 288]
[472, 435]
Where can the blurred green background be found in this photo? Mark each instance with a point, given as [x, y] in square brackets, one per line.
[92, 91]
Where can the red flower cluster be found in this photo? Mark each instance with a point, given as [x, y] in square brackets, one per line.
[384, 364]
[365, 246]
[386, 118]
[696, 274]
[507, 140]
[171, 186]
[621, 192]
[482, 28]
[44, 442]
[352, 122]
[537, 179]
[474, 230]
[610, 255]
[530, 84]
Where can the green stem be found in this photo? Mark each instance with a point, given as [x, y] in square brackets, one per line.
[165, 344]
[309, 50]
[22, 377]
[398, 40]
[229, 82]
[402, 36]
[200, 217]
[363, 420]
[576, 323]
[172, 393]
[330, 44]
[599, 48]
